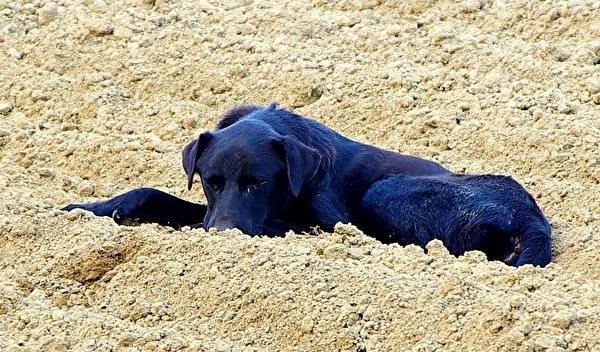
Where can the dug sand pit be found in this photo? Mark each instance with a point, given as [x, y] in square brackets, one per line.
[99, 97]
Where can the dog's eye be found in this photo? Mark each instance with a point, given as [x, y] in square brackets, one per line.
[254, 185]
[216, 183]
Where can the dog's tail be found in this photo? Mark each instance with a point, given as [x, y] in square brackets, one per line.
[535, 243]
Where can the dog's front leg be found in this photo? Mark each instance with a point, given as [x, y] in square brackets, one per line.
[147, 205]
[278, 227]
[327, 211]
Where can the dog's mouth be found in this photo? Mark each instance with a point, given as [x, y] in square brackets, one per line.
[248, 230]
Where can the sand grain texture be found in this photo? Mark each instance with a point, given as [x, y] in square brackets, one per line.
[98, 97]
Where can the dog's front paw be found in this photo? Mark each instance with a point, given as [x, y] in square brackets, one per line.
[71, 207]
[99, 208]
[89, 207]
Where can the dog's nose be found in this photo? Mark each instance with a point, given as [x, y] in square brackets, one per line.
[222, 227]
[223, 224]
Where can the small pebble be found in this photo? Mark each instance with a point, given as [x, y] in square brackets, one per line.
[14, 53]
[100, 28]
[47, 13]
[5, 107]
[85, 189]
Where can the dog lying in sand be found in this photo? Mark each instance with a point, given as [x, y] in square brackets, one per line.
[269, 170]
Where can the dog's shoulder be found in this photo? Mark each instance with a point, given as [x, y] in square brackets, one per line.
[234, 115]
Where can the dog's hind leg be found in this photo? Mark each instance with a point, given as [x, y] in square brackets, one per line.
[536, 245]
[147, 205]
[390, 213]
[492, 214]
[528, 231]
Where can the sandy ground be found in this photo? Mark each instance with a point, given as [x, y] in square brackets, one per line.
[98, 97]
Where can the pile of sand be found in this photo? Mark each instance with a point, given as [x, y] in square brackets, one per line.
[98, 97]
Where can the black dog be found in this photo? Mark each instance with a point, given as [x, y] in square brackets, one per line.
[268, 170]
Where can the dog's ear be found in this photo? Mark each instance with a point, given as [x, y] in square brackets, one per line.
[190, 154]
[302, 161]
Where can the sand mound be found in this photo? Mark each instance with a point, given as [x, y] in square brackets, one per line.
[98, 97]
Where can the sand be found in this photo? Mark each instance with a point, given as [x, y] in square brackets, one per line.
[98, 97]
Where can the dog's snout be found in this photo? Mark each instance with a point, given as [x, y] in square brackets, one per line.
[223, 226]
[224, 223]
[227, 223]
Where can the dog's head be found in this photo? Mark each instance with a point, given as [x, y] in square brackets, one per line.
[249, 173]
